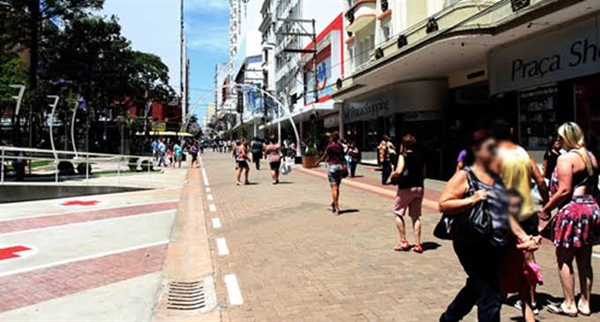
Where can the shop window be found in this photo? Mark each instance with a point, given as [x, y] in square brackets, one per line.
[538, 117]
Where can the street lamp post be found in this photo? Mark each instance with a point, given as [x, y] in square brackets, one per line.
[56, 98]
[18, 99]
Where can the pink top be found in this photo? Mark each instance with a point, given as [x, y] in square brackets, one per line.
[272, 152]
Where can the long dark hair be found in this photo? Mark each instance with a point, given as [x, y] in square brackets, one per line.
[474, 143]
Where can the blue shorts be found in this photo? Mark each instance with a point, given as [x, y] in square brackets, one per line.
[335, 173]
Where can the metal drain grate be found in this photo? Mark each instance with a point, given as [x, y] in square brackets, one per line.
[186, 296]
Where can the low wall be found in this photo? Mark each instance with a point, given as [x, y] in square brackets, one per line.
[20, 193]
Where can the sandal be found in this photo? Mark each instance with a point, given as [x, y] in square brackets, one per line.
[558, 310]
[403, 245]
[418, 249]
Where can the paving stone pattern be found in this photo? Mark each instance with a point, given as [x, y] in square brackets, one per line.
[295, 261]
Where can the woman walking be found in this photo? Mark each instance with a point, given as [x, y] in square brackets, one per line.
[241, 158]
[353, 158]
[334, 153]
[576, 226]
[273, 154]
[479, 256]
[410, 173]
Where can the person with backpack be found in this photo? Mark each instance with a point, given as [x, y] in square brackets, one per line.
[480, 253]
[410, 176]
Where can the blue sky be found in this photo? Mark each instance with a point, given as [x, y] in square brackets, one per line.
[153, 26]
[207, 30]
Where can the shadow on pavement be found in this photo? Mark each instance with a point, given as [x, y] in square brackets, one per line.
[427, 246]
[348, 211]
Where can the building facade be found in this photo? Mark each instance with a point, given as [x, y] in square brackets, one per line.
[439, 69]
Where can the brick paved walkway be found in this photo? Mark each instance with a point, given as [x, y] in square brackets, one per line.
[295, 261]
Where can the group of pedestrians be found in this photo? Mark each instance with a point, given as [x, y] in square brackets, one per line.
[489, 213]
[244, 154]
[165, 153]
[496, 180]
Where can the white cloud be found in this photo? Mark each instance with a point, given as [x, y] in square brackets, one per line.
[205, 37]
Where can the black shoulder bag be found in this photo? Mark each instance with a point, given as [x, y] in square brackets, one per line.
[479, 220]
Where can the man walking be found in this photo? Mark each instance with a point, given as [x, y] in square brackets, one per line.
[178, 153]
[154, 146]
[162, 151]
[257, 151]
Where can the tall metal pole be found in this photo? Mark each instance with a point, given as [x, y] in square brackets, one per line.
[182, 63]
[315, 53]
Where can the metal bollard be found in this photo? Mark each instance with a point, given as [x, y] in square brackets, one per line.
[119, 170]
[87, 170]
[2, 168]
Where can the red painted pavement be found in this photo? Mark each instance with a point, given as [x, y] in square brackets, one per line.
[77, 217]
[80, 203]
[33, 287]
[12, 252]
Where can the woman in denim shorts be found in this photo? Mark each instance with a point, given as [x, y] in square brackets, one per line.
[334, 153]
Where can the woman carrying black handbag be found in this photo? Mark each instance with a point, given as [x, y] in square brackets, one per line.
[476, 202]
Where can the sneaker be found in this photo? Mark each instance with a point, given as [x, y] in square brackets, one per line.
[519, 306]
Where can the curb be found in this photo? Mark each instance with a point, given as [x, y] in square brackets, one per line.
[188, 258]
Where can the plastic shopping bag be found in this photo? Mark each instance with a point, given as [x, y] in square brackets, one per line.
[286, 168]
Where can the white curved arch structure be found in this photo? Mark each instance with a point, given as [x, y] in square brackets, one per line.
[284, 110]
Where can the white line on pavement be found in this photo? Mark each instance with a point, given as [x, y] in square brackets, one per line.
[87, 223]
[222, 246]
[207, 189]
[201, 162]
[209, 197]
[212, 207]
[216, 222]
[233, 290]
[78, 259]
[204, 177]
[88, 210]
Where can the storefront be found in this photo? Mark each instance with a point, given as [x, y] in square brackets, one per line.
[554, 77]
[405, 108]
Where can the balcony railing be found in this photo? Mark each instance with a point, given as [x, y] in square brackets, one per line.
[453, 15]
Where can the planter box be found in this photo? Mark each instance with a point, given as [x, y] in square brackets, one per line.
[309, 161]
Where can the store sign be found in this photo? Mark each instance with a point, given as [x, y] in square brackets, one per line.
[367, 110]
[159, 126]
[323, 78]
[559, 55]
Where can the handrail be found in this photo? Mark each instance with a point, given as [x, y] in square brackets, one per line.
[89, 154]
[8, 154]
